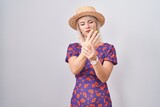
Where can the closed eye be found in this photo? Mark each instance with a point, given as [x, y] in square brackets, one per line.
[82, 24]
[90, 21]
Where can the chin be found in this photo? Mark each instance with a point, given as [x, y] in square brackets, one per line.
[86, 34]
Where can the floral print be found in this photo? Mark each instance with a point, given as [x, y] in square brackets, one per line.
[89, 91]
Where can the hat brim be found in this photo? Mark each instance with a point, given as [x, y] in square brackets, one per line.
[72, 21]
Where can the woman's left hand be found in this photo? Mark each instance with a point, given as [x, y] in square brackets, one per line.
[88, 45]
[89, 51]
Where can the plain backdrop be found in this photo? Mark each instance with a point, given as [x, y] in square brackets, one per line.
[34, 36]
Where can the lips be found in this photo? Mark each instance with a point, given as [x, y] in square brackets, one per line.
[87, 31]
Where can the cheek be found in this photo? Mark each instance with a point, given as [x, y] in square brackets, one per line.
[93, 26]
[82, 29]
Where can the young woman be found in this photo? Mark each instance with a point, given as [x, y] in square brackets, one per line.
[91, 60]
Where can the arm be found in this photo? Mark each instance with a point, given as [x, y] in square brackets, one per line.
[103, 71]
[77, 63]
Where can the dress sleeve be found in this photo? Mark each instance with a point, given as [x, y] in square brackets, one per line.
[110, 55]
[71, 51]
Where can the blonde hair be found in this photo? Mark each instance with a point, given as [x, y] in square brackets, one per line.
[97, 24]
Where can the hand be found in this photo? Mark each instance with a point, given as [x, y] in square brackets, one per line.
[88, 45]
[89, 52]
[92, 38]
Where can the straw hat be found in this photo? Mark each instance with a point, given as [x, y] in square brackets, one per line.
[86, 11]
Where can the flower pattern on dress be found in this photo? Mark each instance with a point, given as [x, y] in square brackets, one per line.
[89, 91]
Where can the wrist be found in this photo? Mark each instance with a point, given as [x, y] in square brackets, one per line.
[82, 55]
[94, 61]
[93, 58]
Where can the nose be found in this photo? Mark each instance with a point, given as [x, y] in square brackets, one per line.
[87, 25]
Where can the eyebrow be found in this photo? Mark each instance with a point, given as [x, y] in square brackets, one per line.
[81, 22]
[87, 21]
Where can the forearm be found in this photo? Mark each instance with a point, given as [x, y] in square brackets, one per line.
[101, 72]
[78, 64]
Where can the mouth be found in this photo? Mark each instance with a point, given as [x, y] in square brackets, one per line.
[87, 31]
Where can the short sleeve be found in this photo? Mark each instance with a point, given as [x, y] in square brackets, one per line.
[71, 51]
[110, 55]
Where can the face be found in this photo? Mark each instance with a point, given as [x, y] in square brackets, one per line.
[86, 24]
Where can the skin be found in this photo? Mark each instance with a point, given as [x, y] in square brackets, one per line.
[89, 43]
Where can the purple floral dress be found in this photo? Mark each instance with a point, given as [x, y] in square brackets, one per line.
[89, 91]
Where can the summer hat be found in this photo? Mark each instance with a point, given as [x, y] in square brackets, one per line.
[86, 11]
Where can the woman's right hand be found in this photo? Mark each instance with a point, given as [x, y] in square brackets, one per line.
[91, 39]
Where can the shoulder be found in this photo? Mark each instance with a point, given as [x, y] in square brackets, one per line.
[108, 45]
[74, 46]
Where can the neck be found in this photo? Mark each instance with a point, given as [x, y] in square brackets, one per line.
[99, 44]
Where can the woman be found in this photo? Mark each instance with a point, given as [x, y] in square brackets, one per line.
[91, 60]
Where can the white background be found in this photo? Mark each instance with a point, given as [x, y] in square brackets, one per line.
[34, 36]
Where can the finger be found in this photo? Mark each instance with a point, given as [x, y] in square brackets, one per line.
[96, 43]
[86, 45]
[96, 39]
[93, 48]
[85, 52]
[89, 35]
[93, 36]
[84, 48]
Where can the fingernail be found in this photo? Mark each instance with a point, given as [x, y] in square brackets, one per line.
[97, 31]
